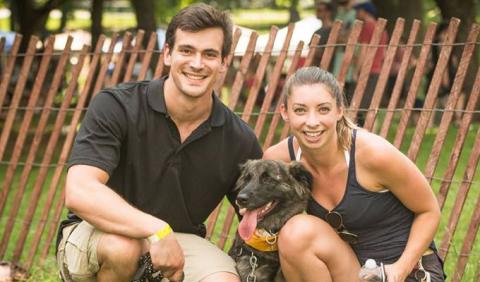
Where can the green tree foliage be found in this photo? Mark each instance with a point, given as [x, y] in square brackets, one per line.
[166, 9]
[30, 16]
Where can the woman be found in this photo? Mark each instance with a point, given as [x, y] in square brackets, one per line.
[368, 199]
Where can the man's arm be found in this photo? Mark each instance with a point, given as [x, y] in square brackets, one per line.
[89, 198]
[95, 155]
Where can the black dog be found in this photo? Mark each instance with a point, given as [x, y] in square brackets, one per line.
[270, 193]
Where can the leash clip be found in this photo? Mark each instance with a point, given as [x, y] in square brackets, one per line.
[253, 263]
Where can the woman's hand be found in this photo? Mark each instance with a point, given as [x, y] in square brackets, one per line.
[396, 273]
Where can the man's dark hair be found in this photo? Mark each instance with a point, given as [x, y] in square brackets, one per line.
[367, 7]
[198, 17]
[327, 5]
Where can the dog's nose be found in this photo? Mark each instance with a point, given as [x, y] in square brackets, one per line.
[242, 199]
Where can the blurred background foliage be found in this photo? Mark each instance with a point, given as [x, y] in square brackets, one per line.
[43, 17]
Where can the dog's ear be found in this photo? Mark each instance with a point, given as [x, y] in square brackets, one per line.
[244, 164]
[301, 174]
[240, 180]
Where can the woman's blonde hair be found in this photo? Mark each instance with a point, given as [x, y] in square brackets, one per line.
[316, 75]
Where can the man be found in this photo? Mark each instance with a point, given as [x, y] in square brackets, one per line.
[324, 12]
[151, 162]
[366, 12]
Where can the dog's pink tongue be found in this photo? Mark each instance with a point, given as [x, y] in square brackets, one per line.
[247, 225]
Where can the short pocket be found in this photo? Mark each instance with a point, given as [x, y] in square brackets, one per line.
[77, 254]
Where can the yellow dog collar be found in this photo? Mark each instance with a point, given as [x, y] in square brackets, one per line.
[263, 240]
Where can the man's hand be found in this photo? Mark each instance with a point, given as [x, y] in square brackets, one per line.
[167, 256]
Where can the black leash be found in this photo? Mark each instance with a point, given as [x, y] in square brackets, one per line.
[145, 270]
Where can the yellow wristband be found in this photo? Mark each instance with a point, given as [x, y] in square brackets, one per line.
[160, 234]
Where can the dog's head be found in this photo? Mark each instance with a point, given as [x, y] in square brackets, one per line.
[269, 193]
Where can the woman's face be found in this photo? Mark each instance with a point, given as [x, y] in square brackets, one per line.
[312, 114]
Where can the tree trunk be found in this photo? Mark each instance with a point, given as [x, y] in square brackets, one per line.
[407, 9]
[27, 21]
[145, 15]
[293, 11]
[96, 28]
[462, 9]
[66, 8]
[30, 19]
[13, 15]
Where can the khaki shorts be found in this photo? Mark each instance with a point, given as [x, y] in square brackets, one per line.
[77, 255]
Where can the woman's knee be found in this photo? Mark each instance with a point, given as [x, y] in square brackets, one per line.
[306, 233]
[297, 233]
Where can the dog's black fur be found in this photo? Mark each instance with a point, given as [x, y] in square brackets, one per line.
[261, 182]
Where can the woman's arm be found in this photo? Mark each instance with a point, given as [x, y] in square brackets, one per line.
[278, 151]
[391, 169]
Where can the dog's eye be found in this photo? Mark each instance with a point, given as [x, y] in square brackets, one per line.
[266, 177]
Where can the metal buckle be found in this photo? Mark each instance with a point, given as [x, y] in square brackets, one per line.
[421, 274]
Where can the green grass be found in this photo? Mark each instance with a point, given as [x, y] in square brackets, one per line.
[262, 20]
[111, 22]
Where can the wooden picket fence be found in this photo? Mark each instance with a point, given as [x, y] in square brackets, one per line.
[44, 94]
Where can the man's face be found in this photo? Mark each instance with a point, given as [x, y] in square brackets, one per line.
[322, 12]
[361, 14]
[196, 61]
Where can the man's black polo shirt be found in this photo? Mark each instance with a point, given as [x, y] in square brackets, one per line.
[127, 132]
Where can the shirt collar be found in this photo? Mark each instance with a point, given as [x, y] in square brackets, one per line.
[156, 100]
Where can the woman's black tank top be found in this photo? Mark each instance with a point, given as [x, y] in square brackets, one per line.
[380, 220]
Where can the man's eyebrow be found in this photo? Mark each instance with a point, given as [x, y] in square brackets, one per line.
[212, 50]
[188, 46]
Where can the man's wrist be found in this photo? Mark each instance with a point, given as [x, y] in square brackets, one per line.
[160, 234]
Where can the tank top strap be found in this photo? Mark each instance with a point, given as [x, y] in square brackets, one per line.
[298, 156]
[291, 150]
[347, 157]
[351, 162]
